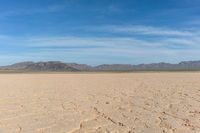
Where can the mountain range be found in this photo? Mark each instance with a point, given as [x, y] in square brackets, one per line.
[73, 67]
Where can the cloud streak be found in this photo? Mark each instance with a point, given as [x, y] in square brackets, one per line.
[143, 30]
[167, 45]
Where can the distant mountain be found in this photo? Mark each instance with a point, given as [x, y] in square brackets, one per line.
[40, 66]
[18, 66]
[186, 65]
[49, 66]
[72, 67]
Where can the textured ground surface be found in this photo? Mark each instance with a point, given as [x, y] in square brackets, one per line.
[100, 103]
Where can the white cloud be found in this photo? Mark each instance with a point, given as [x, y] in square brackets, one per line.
[175, 45]
[101, 42]
[143, 30]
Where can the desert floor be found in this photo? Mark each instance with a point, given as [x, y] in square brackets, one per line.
[100, 103]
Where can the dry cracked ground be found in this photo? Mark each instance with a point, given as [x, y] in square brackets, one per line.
[100, 103]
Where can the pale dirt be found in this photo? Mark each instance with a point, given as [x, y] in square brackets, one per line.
[100, 103]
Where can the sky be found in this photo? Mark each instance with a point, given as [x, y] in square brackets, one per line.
[99, 31]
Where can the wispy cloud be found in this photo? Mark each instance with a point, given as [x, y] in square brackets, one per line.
[94, 50]
[172, 44]
[109, 43]
[143, 30]
[160, 38]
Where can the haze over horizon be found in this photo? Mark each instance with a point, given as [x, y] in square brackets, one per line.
[99, 32]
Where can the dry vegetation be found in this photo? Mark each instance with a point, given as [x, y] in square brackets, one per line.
[100, 103]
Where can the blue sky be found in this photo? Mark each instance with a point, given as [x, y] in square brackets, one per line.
[99, 31]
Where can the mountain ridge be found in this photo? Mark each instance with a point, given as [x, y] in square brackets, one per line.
[59, 66]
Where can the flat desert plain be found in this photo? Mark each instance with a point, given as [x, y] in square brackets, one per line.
[100, 103]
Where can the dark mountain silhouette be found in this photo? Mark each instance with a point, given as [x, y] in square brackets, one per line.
[60, 66]
[50, 66]
[17, 66]
[40, 66]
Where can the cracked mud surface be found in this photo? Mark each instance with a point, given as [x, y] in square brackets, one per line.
[100, 103]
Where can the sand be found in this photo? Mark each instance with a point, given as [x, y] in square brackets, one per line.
[100, 103]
